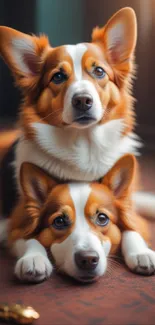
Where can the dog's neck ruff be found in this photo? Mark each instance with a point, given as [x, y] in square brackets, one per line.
[83, 155]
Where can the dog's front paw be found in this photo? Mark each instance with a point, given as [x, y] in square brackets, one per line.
[33, 268]
[142, 263]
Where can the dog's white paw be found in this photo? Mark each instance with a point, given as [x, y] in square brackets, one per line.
[33, 268]
[142, 263]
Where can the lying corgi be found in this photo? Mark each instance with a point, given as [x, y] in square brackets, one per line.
[81, 223]
[77, 114]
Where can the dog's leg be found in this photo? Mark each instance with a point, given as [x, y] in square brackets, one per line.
[33, 264]
[138, 257]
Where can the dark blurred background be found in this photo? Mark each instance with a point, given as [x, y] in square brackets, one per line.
[70, 22]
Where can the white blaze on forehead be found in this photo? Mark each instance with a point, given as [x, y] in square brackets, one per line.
[76, 52]
[80, 194]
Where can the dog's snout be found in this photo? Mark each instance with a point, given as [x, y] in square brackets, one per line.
[82, 102]
[87, 260]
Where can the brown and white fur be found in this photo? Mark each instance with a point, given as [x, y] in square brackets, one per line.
[81, 223]
[66, 140]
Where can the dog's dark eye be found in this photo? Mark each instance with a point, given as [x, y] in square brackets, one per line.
[59, 77]
[99, 72]
[102, 220]
[61, 222]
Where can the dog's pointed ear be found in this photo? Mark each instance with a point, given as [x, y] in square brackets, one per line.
[36, 184]
[120, 178]
[23, 53]
[118, 37]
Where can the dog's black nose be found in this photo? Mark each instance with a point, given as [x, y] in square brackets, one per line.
[86, 260]
[82, 102]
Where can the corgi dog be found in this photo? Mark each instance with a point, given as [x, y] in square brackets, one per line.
[77, 116]
[80, 223]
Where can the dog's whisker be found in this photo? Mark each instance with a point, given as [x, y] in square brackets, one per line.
[50, 114]
[113, 263]
[112, 266]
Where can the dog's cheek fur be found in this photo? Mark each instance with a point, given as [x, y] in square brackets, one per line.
[114, 235]
[50, 107]
[118, 104]
[104, 93]
[110, 98]
[48, 237]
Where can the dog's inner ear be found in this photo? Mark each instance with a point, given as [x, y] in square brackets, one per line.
[118, 36]
[120, 177]
[38, 190]
[24, 56]
[36, 184]
[23, 53]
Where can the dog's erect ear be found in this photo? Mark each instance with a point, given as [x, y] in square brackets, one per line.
[120, 178]
[23, 53]
[118, 37]
[35, 183]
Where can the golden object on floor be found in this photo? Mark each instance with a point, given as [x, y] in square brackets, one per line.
[19, 313]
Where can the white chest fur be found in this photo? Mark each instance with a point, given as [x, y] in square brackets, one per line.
[81, 155]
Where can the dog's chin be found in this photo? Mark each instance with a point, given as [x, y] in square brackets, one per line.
[87, 279]
[83, 277]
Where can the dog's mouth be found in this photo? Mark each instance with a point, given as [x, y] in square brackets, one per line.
[84, 120]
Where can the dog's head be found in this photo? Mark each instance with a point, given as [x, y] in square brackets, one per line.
[74, 85]
[81, 223]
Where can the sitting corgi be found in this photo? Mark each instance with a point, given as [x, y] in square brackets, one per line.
[81, 223]
[76, 116]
